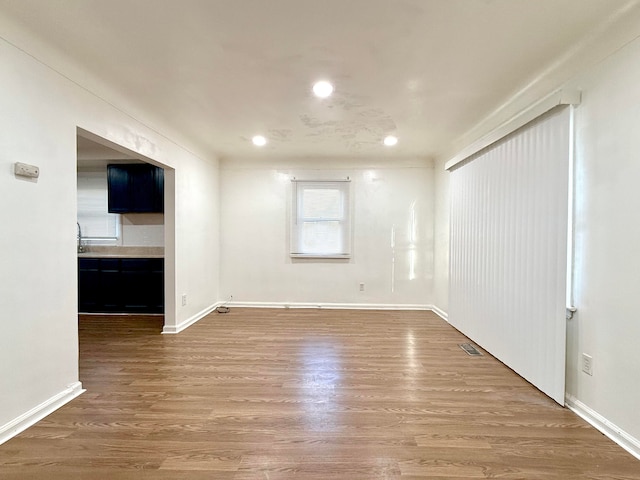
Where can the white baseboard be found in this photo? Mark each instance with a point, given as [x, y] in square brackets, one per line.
[441, 313]
[341, 306]
[615, 433]
[24, 421]
[173, 329]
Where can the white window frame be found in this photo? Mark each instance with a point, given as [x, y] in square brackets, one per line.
[298, 221]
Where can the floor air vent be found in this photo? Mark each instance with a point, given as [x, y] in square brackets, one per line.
[470, 349]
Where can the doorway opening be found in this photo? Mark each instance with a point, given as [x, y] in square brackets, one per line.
[125, 231]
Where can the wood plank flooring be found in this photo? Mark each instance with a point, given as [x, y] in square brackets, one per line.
[303, 394]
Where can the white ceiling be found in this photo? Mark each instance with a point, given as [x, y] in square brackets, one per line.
[220, 71]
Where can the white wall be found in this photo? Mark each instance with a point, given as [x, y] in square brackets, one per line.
[41, 111]
[388, 201]
[143, 229]
[197, 239]
[607, 243]
[441, 239]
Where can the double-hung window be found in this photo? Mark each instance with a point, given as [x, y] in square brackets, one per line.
[98, 226]
[321, 220]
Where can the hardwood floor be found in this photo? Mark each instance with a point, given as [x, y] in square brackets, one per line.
[306, 394]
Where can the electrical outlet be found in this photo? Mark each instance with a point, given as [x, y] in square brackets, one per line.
[362, 287]
[184, 299]
[587, 364]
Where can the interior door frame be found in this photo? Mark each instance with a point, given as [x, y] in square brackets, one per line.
[169, 219]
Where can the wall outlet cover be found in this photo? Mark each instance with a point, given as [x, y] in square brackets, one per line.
[587, 364]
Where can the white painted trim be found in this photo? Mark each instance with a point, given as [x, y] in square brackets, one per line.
[331, 256]
[560, 97]
[441, 313]
[615, 433]
[27, 419]
[335, 306]
[173, 329]
[169, 329]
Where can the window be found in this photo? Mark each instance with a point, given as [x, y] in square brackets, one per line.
[97, 224]
[321, 223]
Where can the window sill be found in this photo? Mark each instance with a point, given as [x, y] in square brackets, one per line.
[345, 256]
[100, 241]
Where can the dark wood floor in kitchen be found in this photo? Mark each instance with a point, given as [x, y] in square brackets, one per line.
[306, 394]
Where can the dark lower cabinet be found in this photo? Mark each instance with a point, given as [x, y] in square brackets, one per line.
[121, 285]
[89, 284]
[109, 287]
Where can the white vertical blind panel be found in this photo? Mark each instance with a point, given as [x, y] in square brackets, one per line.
[509, 250]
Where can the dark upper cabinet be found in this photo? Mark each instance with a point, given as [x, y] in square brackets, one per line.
[135, 188]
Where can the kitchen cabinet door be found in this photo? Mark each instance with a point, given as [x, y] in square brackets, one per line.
[156, 285]
[135, 188]
[135, 284]
[88, 284]
[110, 285]
[121, 285]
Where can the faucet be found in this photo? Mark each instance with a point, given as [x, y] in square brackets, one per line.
[79, 237]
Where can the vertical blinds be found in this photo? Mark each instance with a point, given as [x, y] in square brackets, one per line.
[508, 255]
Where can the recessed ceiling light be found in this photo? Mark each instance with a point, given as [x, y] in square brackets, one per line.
[259, 141]
[390, 141]
[322, 89]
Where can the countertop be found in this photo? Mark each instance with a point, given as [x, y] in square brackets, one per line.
[93, 251]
